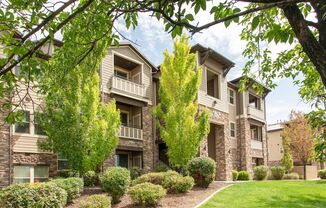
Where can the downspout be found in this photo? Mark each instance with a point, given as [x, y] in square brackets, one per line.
[153, 121]
[239, 117]
[266, 132]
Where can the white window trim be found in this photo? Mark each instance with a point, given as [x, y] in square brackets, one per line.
[234, 99]
[128, 116]
[31, 127]
[235, 129]
[117, 68]
[218, 83]
[31, 174]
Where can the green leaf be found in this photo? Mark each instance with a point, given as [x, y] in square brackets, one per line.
[255, 23]
[190, 17]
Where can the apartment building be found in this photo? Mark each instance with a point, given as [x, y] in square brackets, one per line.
[237, 139]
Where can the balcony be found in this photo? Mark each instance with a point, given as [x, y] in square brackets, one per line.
[128, 88]
[256, 144]
[256, 114]
[131, 133]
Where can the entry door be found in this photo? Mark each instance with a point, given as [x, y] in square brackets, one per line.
[137, 121]
[136, 78]
[211, 142]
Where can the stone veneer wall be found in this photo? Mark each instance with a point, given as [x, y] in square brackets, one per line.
[4, 150]
[244, 144]
[224, 163]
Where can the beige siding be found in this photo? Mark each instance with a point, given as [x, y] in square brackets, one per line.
[275, 146]
[27, 143]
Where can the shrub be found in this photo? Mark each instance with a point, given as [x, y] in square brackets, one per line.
[202, 169]
[73, 187]
[277, 172]
[161, 167]
[67, 173]
[235, 175]
[243, 176]
[260, 172]
[154, 177]
[147, 194]
[96, 201]
[322, 174]
[178, 183]
[291, 176]
[115, 182]
[90, 178]
[135, 173]
[41, 195]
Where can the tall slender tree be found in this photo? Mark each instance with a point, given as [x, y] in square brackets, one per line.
[182, 126]
[301, 138]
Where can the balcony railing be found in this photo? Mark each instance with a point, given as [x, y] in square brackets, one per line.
[256, 113]
[128, 86]
[256, 144]
[130, 133]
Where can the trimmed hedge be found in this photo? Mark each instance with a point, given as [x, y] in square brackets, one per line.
[291, 176]
[147, 194]
[322, 174]
[235, 175]
[90, 178]
[38, 195]
[73, 186]
[260, 172]
[96, 201]
[277, 172]
[243, 176]
[203, 170]
[115, 182]
[178, 183]
[162, 167]
[154, 177]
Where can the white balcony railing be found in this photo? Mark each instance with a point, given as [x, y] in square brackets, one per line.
[130, 133]
[256, 144]
[256, 113]
[128, 86]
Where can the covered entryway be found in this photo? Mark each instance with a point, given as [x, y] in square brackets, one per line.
[211, 142]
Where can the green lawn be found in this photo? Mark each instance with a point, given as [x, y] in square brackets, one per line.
[285, 194]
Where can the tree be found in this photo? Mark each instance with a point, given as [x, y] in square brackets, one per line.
[78, 125]
[263, 22]
[181, 126]
[286, 161]
[300, 137]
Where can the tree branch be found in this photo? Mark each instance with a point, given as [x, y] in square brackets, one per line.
[312, 24]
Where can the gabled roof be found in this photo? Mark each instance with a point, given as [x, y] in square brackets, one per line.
[154, 68]
[251, 81]
[208, 52]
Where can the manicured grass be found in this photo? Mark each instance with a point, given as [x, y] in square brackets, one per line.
[280, 194]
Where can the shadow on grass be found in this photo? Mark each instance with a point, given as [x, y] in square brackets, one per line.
[304, 201]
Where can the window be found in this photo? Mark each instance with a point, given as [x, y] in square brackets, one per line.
[231, 96]
[17, 70]
[37, 127]
[232, 129]
[254, 101]
[122, 160]
[121, 74]
[124, 118]
[213, 88]
[256, 132]
[137, 161]
[23, 126]
[257, 161]
[62, 162]
[30, 174]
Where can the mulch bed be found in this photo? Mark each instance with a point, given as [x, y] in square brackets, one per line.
[187, 200]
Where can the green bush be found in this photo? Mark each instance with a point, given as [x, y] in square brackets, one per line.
[235, 175]
[135, 172]
[178, 183]
[90, 178]
[147, 194]
[322, 174]
[96, 201]
[161, 167]
[277, 172]
[39, 195]
[115, 181]
[260, 172]
[291, 176]
[154, 177]
[73, 186]
[202, 169]
[243, 176]
[67, 173]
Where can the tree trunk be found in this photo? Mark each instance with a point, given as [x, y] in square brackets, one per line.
[315, 50]
[305, 171]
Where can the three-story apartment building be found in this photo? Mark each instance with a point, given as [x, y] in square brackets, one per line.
[237, 139]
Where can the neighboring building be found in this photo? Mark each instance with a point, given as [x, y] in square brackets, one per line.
[237, 139]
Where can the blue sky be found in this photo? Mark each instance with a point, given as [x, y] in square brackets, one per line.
[151, 40]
